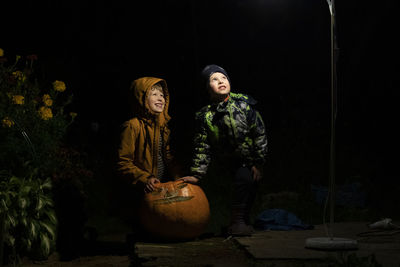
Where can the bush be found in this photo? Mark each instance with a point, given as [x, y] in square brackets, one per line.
[32, 117]
[32, 126]
[29, 216]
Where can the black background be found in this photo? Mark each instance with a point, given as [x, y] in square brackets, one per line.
[276, 51]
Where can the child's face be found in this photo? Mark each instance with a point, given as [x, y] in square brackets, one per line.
[219, 85]
[156, 100]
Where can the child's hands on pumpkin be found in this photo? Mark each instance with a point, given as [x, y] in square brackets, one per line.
[150, 185]
[189, 179]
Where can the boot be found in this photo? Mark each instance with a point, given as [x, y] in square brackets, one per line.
[238, 226]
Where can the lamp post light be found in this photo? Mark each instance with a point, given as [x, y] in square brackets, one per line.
[330, 242]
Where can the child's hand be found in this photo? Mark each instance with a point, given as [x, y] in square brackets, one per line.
[150, 185]
[189, 179]
[256, 173]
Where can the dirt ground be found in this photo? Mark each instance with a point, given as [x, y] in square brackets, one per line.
[211, 251]
[376, 248]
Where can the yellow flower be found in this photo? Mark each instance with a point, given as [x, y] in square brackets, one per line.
[18, 99]
[59, 86]
[19, 75]
[73, 114]
[7, 122]
[47, 100]
[45, 113]
[1, 52]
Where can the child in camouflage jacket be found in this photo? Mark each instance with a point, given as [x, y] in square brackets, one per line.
[230, 128]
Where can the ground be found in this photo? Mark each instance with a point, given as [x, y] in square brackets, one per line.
[210, 251]
[376, 248]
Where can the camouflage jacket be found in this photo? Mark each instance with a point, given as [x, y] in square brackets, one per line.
[232, 129]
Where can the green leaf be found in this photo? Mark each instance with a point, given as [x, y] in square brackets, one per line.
[50, 229]
[46, 185]
[23, 213]
[24, 222]
[40, 204]
[44, 201]
[9, 239]
[33, 230]
[28, 244]
[26, 189]
[52, 216]
[3, 206]
[11, 220]
[22, 202]
[15, 180]
[45, 244]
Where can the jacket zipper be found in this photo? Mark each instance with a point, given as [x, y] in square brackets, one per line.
[155, 151]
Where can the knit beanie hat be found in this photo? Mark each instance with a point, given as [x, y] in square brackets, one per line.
[209, 70]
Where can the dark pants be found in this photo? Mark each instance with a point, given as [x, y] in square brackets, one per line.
[244, 190]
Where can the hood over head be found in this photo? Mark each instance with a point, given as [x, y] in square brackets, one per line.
[141, 88]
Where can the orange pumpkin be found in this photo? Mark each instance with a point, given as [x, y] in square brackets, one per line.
[175, 211]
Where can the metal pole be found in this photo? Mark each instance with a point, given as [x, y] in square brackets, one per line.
[329, 242]
[333, 115]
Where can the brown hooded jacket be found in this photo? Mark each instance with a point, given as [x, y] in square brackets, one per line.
[138, 150]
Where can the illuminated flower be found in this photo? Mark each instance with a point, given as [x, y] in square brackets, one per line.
[45, 113]
[73, 114]
[18, 99]
[19, 75]
[59, 86]
[1, 52]
[47, 100]
[7, 122]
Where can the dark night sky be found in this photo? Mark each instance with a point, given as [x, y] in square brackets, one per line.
[276, 51]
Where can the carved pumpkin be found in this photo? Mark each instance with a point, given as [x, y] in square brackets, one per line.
[175, 211]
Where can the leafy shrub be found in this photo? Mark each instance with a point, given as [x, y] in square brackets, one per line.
[29, 216]
[32, 119]
[32, 126]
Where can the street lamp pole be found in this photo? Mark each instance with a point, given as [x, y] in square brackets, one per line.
[330, 242]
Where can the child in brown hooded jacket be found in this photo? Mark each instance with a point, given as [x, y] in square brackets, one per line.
[144, 154]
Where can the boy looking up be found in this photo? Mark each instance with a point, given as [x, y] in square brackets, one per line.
[231, 130]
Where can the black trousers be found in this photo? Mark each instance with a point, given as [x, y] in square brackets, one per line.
[244, 188]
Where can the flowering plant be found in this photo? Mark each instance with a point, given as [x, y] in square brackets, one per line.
[32, 117]
[32, 125]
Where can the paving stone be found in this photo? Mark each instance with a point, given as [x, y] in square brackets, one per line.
[290, 245]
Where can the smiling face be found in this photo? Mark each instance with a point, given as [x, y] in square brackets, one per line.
[219, 86]
[156, 99]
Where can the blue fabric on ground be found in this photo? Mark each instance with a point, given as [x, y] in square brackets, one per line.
[279, 219]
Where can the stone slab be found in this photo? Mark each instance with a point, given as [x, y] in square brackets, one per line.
[275, 245]
[204, 252]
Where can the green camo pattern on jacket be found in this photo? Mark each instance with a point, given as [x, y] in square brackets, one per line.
[231, 129]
